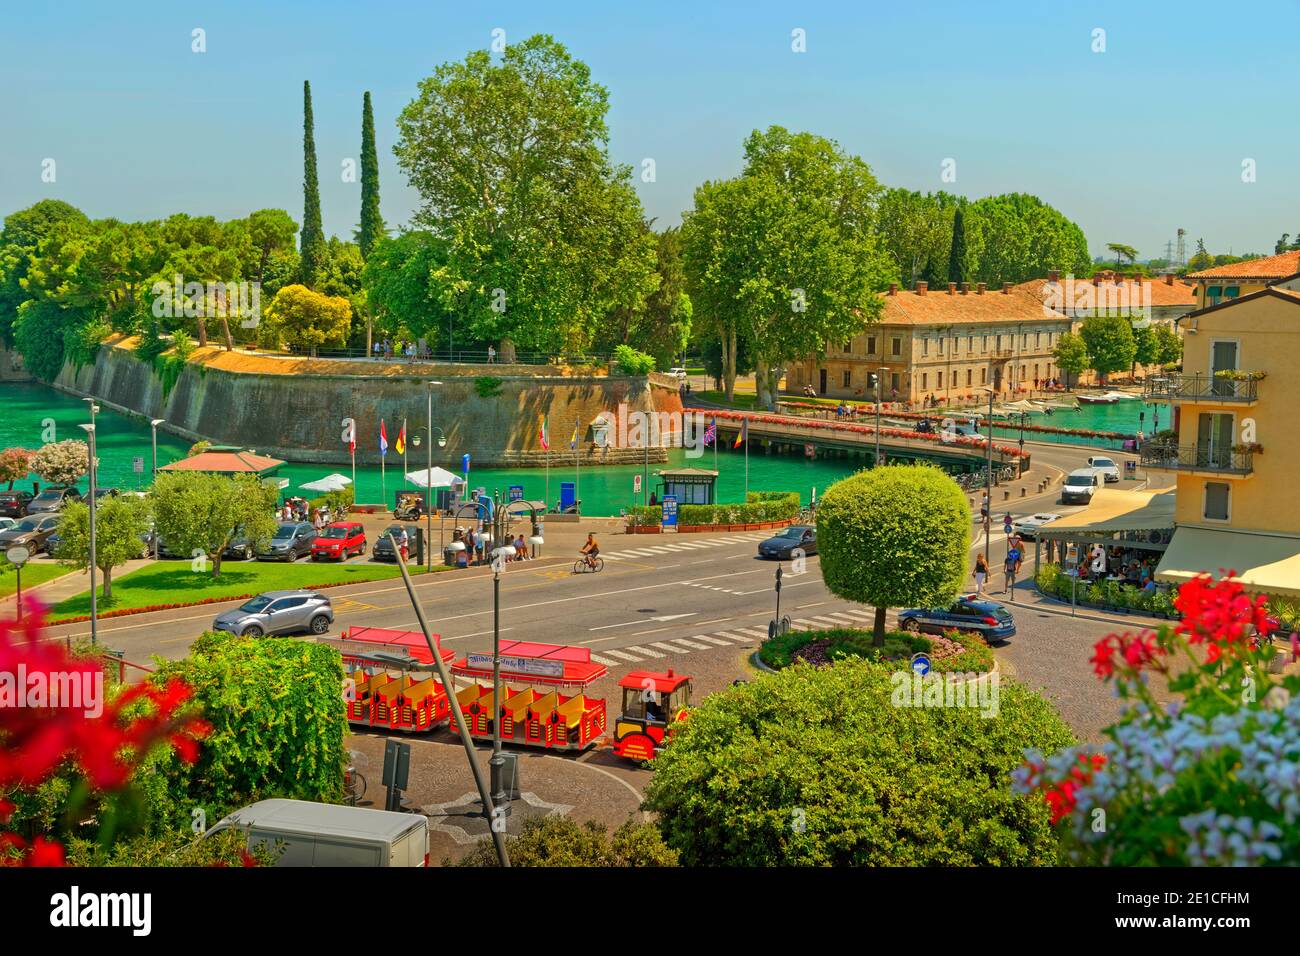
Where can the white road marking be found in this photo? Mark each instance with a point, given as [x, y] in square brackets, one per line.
[603, 660]
[712, 640]
[689, 644]
[644, 651]
[623, 655]
[667, 647]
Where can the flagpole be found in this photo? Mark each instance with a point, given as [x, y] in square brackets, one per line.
[405, 466]
[745, 429]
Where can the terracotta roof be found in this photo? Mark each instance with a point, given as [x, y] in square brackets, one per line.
[1287, 295]
[1157, 290]
[226, 462]
[937, 307]
[1270, 267]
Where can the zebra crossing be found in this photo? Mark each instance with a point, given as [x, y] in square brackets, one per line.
[738, 636]
[681, 547]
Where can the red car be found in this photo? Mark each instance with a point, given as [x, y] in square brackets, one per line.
[339, 541]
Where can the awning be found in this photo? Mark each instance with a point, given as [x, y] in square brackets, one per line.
[1112, 511]
[1264, 563]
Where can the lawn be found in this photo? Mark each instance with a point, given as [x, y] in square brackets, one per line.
[33, 574]
[739, 399]
[172, 582]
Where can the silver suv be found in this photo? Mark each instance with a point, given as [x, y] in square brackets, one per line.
[278, 612]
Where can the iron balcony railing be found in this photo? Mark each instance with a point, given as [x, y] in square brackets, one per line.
[1196, 386]
[1197, 458]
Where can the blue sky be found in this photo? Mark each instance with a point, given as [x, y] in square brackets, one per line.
[1131, 143]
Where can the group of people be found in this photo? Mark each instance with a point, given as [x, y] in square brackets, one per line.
[297, 509]
[478, 552]
[385, 350]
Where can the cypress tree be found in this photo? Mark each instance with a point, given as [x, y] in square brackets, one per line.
[957, 253]
[371, 229]
[313, 237]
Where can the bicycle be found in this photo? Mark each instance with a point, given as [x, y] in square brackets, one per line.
[581, 566]
[354, 786]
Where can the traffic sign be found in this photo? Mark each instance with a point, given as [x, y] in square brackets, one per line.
[636, 484]
[669, 503]
[137, 465]
[516, 492]
[921, 663]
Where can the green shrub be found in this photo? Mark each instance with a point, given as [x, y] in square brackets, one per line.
[897, 536]
[816, 766]
[848, 642]
[632, 362]
[759, 506]
[277, 713]
[488, 386]
[559, 841]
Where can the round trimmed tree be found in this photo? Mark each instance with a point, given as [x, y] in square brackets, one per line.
[897, 536]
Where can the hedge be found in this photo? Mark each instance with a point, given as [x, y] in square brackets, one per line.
[1107, 594]
[817, 767]
[759, 506]
[778, 652]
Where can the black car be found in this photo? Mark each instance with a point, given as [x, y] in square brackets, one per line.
[51, 500]
[290, 542]
[383, 547]
[797, 537]
[239, 548]
[13, 504]
[988, 619]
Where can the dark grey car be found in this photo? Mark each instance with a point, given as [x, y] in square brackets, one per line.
[290, 542]
[797, 537]
[51, 500]
[278, 612]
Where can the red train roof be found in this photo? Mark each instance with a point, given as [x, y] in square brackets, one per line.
[562, 664]
[663, 683]
[412, 642]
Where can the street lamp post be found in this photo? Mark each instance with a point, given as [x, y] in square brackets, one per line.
[94, 606]
[153, 425]
[988, 474]
[500, 552]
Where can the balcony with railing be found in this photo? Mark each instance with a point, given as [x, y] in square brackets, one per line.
[1196, 387]
[1204, 459]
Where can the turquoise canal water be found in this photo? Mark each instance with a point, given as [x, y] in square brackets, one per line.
[31, 415]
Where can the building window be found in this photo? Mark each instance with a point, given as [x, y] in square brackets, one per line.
[984, 346]
[1231, 291]
[896, 346]
[1216, 501]
[968, 378]
[893, 382]
[1038, 340]
[954, 378]
[925, 381]
[984, 376]
[871, 345]
[848, 347]
[848, 380]
[998, 345]
[1213, 294]
[925, 347]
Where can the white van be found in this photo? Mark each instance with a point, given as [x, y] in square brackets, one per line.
[325, 834]
[1081, 484]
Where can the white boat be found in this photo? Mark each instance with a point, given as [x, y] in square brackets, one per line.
[1103, 399]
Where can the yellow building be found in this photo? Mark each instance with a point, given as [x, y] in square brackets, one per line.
[1236, 457]
[1223, 283]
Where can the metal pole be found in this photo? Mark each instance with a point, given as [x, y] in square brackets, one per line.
[94, 604]
[988, 478]
[428, 482]
[497, 763]
[154, 536]
[18, 584]
[877, 462]
[498, 836]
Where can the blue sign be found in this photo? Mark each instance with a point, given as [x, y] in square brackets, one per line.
[921, 664]
[568, 495]
[516, 492]
[669, 505]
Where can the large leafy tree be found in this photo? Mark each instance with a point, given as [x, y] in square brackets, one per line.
[1122, 251]
[203, 513]
[1018, 237]
[15, 463]
[22, 233]
[661, 326]
[1110, 344]
[1146, 345]
[404, 287]
[120, 524]
[1169, 345]
[786, 254]
[897, 536]
[371, 229]
[916, 230]
[299, 316]
[544, 235]
[270, 231]
[1071, 356]
[957, 249]
[313, 234]
[61, 462]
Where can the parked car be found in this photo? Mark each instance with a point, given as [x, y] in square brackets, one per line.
[326, 834]
[278, 612]
[990, 620]
[1028, 526]
[13, 504]
[291, 541]
[782, 546]
[102, 493]
[339, 541]
[7, 523]
[383, 549]
[1107, 466]
[239, 548]
[678, 373]
[1080, 485]
[32, 532]
[52, 499]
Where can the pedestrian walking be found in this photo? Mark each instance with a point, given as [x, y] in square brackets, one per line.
[492, 355]
[984, 507]
[981, 574]
[403, 544]
[1010, 567]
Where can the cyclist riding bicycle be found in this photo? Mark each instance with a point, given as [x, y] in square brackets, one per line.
[590, 550]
